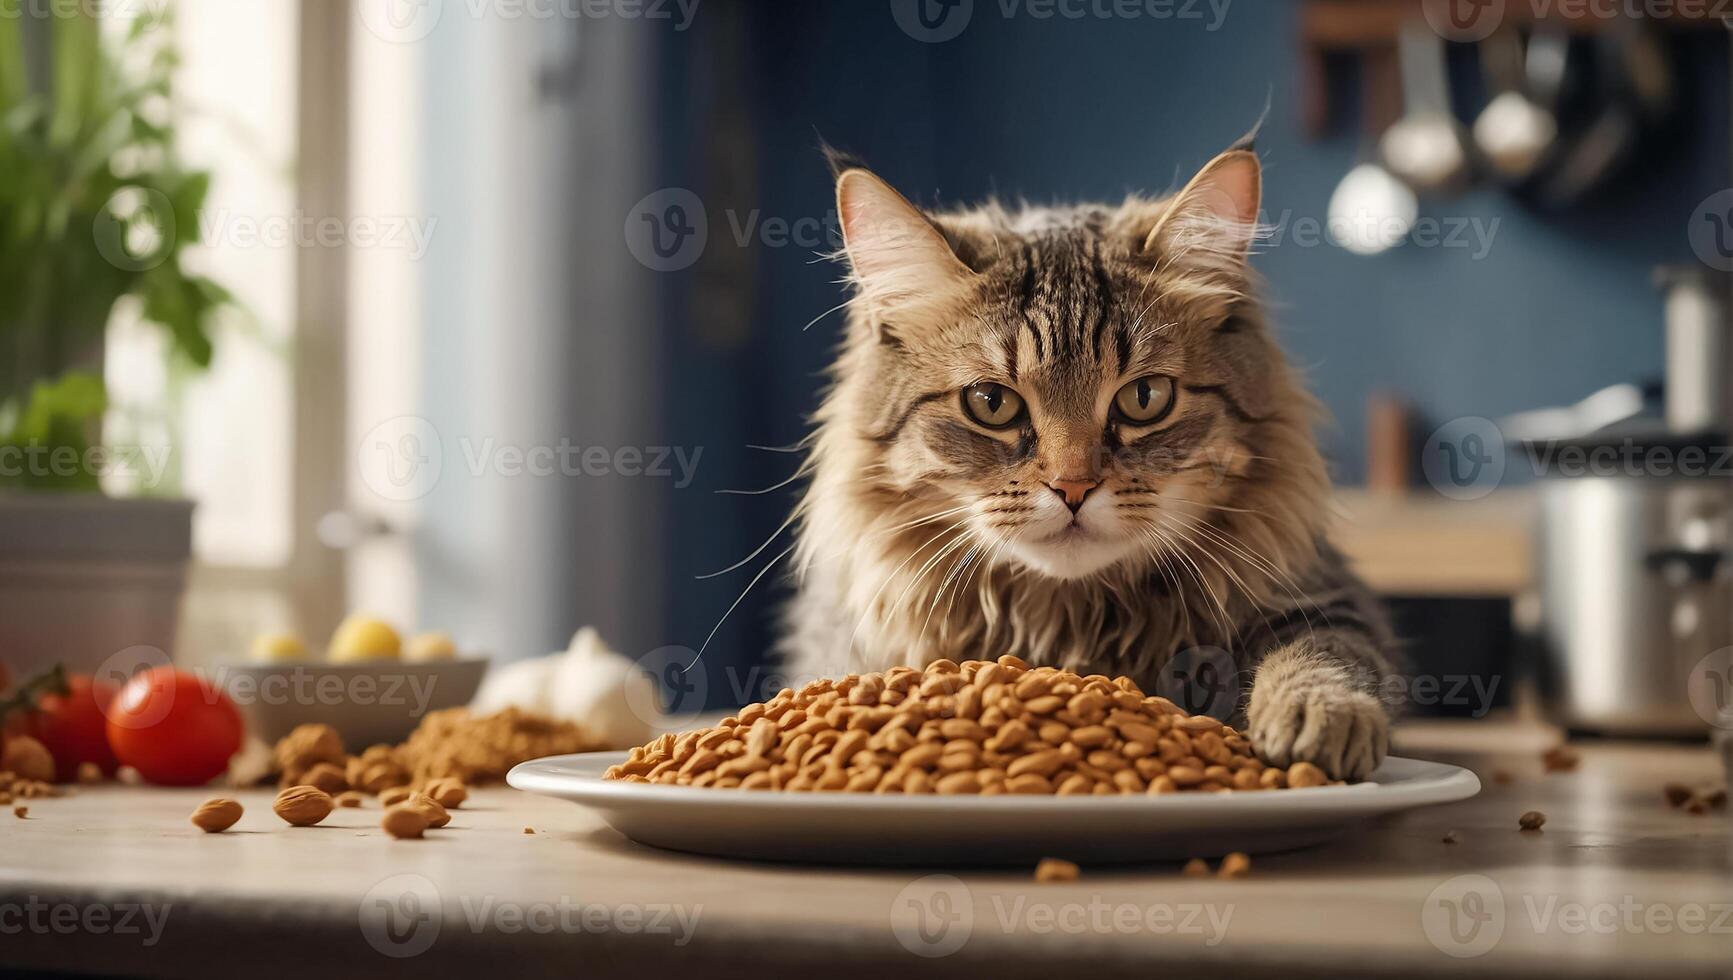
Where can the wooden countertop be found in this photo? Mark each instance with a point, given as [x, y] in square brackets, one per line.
[1425, 544]
[1614, 886]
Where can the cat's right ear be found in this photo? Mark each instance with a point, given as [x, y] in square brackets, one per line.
[896, 252]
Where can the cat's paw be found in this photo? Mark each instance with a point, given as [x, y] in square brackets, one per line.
[1307, 709]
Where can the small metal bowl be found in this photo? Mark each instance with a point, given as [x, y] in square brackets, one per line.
[368, 703]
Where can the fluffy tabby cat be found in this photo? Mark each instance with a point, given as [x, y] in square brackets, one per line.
[1066, 433]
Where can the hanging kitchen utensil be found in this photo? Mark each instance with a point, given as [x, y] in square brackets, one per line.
[1515, 131]
[1425, 147]
[1371, 210]
[1636, 91]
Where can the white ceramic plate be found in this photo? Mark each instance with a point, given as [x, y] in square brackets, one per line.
[864, 828]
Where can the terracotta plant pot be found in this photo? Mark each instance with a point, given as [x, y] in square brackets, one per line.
[84, 577]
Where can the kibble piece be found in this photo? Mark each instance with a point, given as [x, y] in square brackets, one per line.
[302, 806]
[21, 812]
[1560, 758]
[89, 773]
[1235, 865]
[1677, 794]
[1303, 774]
[436, 813]
[1054, 869]
[1450, 837]
[350, 798]
[328, 777]
[28, 759]
[1196, 868]
[529, 830]
[404, 821]
[449, 792]
[217, 815]
[1532, 820]
[395, 795]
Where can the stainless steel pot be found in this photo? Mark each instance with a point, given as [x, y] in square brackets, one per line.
[1635, 598]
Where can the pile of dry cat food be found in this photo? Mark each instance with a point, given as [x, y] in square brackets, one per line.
[452, 744]
[987, 727]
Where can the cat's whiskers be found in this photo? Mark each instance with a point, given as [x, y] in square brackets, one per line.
[1234, 576]
[755, 579]
[872, 603]
[920, 574]
[1221, 612]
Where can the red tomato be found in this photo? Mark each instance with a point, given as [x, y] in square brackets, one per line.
[75, 727]
[174, 728]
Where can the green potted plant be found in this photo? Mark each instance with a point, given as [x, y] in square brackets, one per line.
[96, 209]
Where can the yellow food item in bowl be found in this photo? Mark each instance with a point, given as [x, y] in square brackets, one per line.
[437, 645]
[360, 638]
[276, 648]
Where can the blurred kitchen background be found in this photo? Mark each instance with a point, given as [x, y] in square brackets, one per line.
[459, 230]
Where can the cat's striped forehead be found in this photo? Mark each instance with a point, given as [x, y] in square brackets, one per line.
[1064, 297]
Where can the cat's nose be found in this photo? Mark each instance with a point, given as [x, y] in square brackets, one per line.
[1073, 491]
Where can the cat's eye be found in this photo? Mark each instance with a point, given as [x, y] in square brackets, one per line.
[993, 405]
[1146, 400]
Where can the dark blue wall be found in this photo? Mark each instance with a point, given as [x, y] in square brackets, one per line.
[1558, 307]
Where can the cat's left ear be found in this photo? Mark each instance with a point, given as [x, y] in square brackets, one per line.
[897, 253]
[1215, 218]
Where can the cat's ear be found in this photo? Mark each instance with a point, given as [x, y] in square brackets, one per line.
[1214, 219]
[897, 253]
